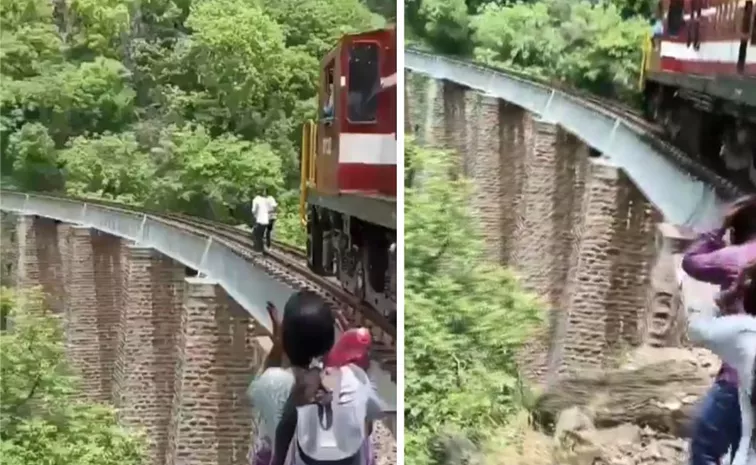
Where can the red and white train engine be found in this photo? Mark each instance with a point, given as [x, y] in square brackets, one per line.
[348, 186]
[699, 80]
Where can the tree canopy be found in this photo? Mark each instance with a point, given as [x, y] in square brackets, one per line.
[41, 421]
[593, 45]
[464, 318]
[185, 105]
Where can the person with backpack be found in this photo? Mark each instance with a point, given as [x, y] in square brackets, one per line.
[328, 416]
[717, 259]
[733, 338]
[270, 389]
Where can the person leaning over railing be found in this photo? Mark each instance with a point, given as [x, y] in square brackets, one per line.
[733, 339]
[267, 394]
[718, 260]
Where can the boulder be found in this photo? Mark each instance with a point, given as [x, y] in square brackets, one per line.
[659, 394]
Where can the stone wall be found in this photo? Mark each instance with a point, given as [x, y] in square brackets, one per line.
[174, 354]
[575, 229]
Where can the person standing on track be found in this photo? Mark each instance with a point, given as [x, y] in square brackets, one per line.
[272, 210]
[713, 259]
[261, 212]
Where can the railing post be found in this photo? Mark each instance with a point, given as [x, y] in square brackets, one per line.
[612, 133]
[548, 104]
[140, 234]
[201, 268]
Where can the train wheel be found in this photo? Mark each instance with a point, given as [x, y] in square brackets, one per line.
[314, 244]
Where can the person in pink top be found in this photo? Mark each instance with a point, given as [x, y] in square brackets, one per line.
[719, 260]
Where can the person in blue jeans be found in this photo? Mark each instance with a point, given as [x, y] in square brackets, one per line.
[715, 260]
[718, 428]
[733, 339]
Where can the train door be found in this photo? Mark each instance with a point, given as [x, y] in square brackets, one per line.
[746, 35]
[326, 159]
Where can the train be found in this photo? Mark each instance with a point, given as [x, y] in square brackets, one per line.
[698, 81]
[349, 168]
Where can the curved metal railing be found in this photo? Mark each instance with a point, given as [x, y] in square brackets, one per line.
[683, 190]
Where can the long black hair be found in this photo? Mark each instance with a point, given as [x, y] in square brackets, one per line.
[309, 332]
[743, 223]
[308, 328]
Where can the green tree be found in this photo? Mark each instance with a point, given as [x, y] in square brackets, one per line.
[464, 319]
[42, 422]
[213, 176]
[116, 84]
[584, 44]
[34, 158]
[112, 167]
[447, 25]
[315, 25]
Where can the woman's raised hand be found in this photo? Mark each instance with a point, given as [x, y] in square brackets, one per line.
[275, 332]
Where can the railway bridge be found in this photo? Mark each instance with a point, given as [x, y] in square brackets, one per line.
[577, 197]
[164, 318]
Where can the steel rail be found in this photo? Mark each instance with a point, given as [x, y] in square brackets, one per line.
[221, 253]
[684, 191]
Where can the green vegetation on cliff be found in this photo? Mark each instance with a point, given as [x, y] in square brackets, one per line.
[464, 318]
[41, 422]
[592, 45]
[184, 105]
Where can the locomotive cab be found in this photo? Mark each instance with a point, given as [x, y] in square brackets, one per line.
[348, 168]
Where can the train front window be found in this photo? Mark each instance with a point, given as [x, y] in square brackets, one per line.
[675, 18]
[364, 83]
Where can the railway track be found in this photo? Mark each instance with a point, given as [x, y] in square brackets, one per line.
[289, 264]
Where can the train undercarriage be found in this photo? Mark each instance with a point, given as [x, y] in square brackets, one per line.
[359, 254]
[719, 134]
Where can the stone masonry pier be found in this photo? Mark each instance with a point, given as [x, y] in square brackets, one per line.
[576, 229]
[173, 353]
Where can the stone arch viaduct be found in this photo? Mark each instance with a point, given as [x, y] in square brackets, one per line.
[161, 321]
[572, 197]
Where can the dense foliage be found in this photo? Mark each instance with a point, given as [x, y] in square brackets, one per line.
[187, 105]
[464, 319]
[40, 420]
[593, 45]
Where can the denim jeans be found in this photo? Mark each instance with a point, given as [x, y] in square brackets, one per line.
[717, 427]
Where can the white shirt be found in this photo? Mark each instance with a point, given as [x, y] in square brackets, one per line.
[272, 206]
[733, 339]
[268, 393]
[261, 210]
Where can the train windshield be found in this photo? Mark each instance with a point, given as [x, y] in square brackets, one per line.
[364, 82]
